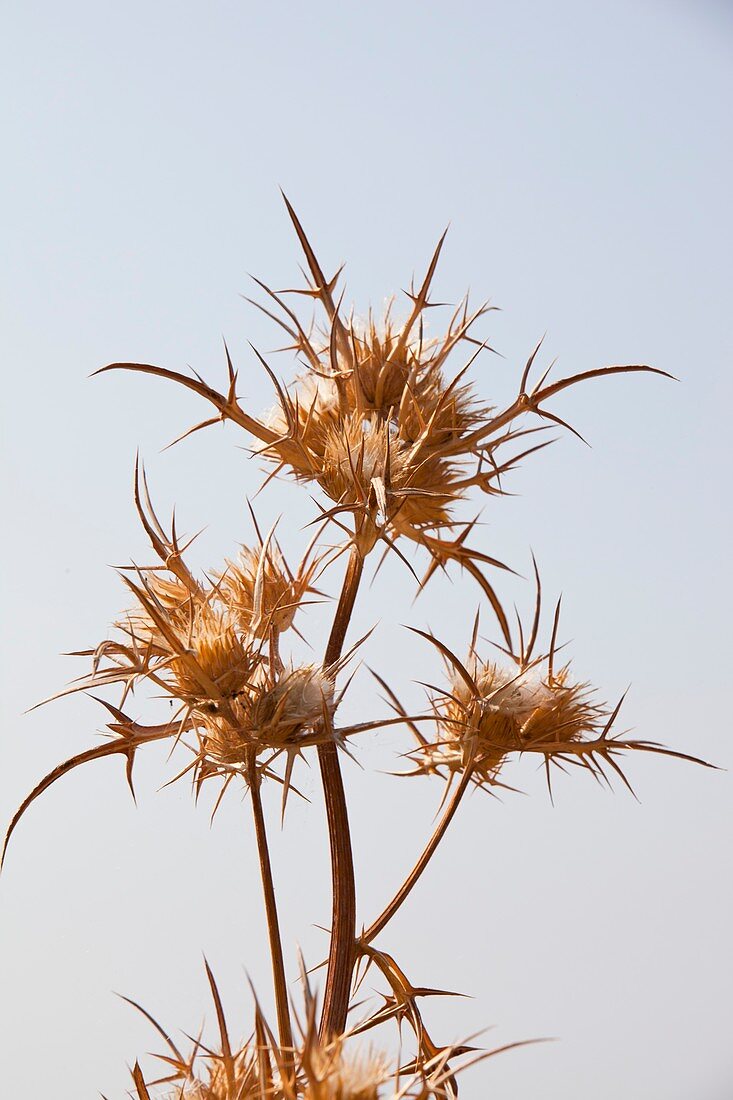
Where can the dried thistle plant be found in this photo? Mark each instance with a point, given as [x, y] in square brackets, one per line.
[314, 1068]
[390, 439]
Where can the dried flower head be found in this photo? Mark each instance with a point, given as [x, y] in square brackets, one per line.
[213, 651]
[370, 418]
[503, 710]
[262, 591]
[212, 661]
[313, 1069]
[287, 710]
[375, 421]
[207, 1074]
[491, 710]
[261, 1067]
[335, 1074]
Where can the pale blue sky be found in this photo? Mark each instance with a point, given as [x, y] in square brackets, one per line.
[582, 154]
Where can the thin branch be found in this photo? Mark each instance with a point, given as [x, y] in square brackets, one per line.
[273, 927]
[389, 911]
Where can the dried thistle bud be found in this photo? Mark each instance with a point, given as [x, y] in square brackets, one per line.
[380, 365]
[283, 712]
[333, 1073]
[491, 710]
[299, 699]
[371, 429]
[218, 651]
[313, 400]
[505, 711]
[262, 592]
[236, 1081]
[363, 472]
[311, 1068]
[224, 1074]
[369, 387]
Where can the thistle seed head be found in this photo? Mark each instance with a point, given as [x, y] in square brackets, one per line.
[215, 648]
[314, 400]
[490, 710]
[392, 378]
[509, 711]
[177, 602]
[299, 699]
[283, 712]
[312, 1069]
[379, 436]
[261, 592]
[332, 1073]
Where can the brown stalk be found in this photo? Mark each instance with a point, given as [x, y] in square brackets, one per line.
[389, 911]
[343, 921]
[273, 925]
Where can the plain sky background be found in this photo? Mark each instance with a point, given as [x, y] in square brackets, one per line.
[582, 153]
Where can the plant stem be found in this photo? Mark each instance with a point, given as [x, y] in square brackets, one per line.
[273, 927]
[389, 911]
[343, 921]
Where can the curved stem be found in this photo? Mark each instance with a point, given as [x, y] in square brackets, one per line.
[343, 922]
[273, 926]
[389, 911]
